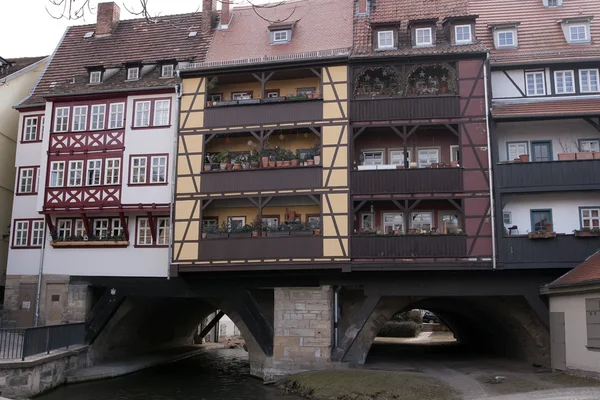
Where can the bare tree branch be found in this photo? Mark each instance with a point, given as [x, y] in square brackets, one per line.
[68, 10]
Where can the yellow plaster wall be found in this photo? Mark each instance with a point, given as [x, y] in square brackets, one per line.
[332, 110]
[284, 86]
[252, 212]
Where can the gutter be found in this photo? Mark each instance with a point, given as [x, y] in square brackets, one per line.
[130, 90]
[490, 164]
[178, 92]
[40, 275]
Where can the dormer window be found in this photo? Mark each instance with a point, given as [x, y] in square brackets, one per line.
[578, 33]
[552, 3]
[423, 37]
[385, 39]
[506, 38]
[280, 36]
[133, 74]
[95, 76]
[462, 34]
[167, 71]
[577, 30]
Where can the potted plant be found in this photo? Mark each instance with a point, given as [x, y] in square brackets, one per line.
[541, 234]
[254, 160]
[257, 227]
[224, 159]
[237, 162]
[316, 150]
[208, 162]
[597, 155]
[454, 164]
[316, 229]
[243, 231]
[281, 230]
[300, 229]
[587, 232]
[214, 232]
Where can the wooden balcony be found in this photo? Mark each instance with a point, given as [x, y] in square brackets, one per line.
[419, 246]
[398, 181]
[396, 108]
[261, 248]
[563, 251]
[263, 113]
[262, 179]
[548, 176]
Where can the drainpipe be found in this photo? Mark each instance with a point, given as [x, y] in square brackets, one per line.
[39, 283]
[335, 316]
[489, 145]
[173, 176]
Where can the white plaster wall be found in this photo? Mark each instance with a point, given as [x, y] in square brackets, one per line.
[566, 131]
[578, 355]
[229, 327]
[564, 206]
[502, 87]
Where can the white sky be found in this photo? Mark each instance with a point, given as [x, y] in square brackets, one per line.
[26, 29]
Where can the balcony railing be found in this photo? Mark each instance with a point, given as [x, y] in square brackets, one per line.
[262, 179]
[261, 248]
[263, 112]
[385, 109]
[419, 246]
[417, 180]
[79, 197]
[563, 251]
[548, 176]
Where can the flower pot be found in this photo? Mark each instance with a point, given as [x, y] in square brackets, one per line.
[310, 162]
[566, 156]
[524, 158]
[549, 227]
[204, 235]
[317, 232]
[399, 166]
[454, 164]
[294, 163]
[396, 232]
[265, 233]
[237, 166]
[223, 166]
[585, 156]
[272, 164]
[209, 104]
[310, 95]
[229, 167]
[317, 160]
[265, 162]
[286, 163]
[435, 165]
[254, 234]
[279, 164]
[207, 167]
[413, 164]
[255, 164]
[596, 155]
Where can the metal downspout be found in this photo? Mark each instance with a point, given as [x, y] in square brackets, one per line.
[39, 283]
[489, 145]
[173, 176]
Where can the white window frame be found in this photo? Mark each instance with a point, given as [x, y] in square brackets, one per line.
[64, 228]
[281, 36]
[21, 234]
[79, 228]
[116, 115]
[95, 76]
[412, 214]
[516, 150]
[112, 171]
[382, 39]
[142, 115]
[37, 233]
[101, 228]
[392, 225]
[362, 221]
[139, 171]
[162, 111]
[116, 229]
[513, 36]
[61, 122]
[462, 28]
[449, 213]
[79, 122]
[506, 215]
[428, 149]
[270, 222]
[589, 88]
[42, 126]
[241, 96]
[167, 71]
[94, 167]
[373, 161]
[158, 169]
[561, 77]
[75, 173]
[589, 145]
[30, 133]
[241, 220]
[26, 176]
[143, 235]
[578, 40]
[590, 217]
[98, 117]
[133, 73]
[392, 157]
[37, 179]
[422, 42]
[57, 174]
[454, 150]
[163, 230]
[536, 91]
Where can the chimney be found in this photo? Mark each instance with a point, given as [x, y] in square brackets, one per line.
[363, 7]
[108, 18]
[225, 14]
[209, 5]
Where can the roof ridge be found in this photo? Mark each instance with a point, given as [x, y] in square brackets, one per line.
[129, 20]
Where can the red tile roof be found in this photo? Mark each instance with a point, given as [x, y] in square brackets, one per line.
[319, 25]
[540, 36]
[586, 272]
[135, 40]
[552, 108]
[404, 10]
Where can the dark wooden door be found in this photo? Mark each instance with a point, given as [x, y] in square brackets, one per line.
[27, 296]
[541, 151]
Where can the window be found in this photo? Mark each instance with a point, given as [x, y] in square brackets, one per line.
[37, 233]
[142, 114]
[42, 125]
[421, 220]
[540, 219]
[79, 228]
[553, 3]
[57, 173]
[516, 149]
[37, 179]
[212, 223]
[95, 76]
[241, 96]
[133, 73]
[305, 91]
[385, 39]
[116, 227]
[448, 223]
[236, 223]
[367, 221]
[271, 94]
[79, 118]
[314, 221]
[397, 157]
[75, 173]
[589, 145]
[98, 114]
[162, 231]
[455, 153]
[63, 228]
[138, 170]
[94, 171]
[393, 222]
[372, 157]
[100, 228]
[115, 119]
[159, 169]
[590, 218]
[462, 34]
[535, 83]
[592, 312]
[578, 33]
[111, 171]
[26, 176]
[61, 119]
[30, 133]
[20, 235]
[167, 71]
[563, 82]
[280, 36]
[426, 157]
[161, 112]
[270, 222]
[506, 38]
[507, 218]
[588, 79]
[423, 36]
[144, 234]
[218, 96]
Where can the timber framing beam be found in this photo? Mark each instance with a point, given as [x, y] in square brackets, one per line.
[539, 307]
[210, 326]
[251, 314]
[124, 226]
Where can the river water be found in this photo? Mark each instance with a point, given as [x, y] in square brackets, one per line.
[211, 375]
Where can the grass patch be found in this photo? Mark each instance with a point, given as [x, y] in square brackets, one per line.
[569, 380]
[366, 385]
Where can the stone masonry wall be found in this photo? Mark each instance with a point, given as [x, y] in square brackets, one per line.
[303, 324]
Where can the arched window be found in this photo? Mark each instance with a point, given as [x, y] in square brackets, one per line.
[377, 81]
[431, 80]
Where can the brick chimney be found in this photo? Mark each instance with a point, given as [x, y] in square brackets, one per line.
[225, 14]
[209, 5]
[363, 7]
[108, 17]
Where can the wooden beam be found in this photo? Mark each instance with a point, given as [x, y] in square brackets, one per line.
[317, 73]
[315, 131]
[265, 202]
[315, 199]
[256, 135]
[211, 137]
[451, 129]
[591, 122]
[358, 207]
[152, 223]
[124, 225]
[209, 327]
[359, 132]
[413, 130]
[455, 204]
[50, 226]
[206, 204]
[251, 314]
[266, 135]
[254, 201]
[86, 224]
[412, 207]
[397, 203]
[401, 134]
[355, 326]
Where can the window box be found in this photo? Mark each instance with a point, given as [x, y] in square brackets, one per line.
[277, 99]
[587, 232]
[542, 235]
[89, 243]
[566, 156]
[585, 155]
[248, 101]
[296, 98]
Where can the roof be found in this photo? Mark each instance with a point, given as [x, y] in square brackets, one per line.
[540, 36]
[401, 13]
[135, 40]
[17, 64]
[549, 108]
[319, 25]
[588, 272]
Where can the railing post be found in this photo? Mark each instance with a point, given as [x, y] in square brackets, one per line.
[24, 345]
[47, 340]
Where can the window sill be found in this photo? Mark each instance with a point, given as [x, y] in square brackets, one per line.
[150, 127]
[26, 194]
[90, 244]
[150, 246]
[30, 141]
[25, 247]
[592, 348]
[147, 184]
